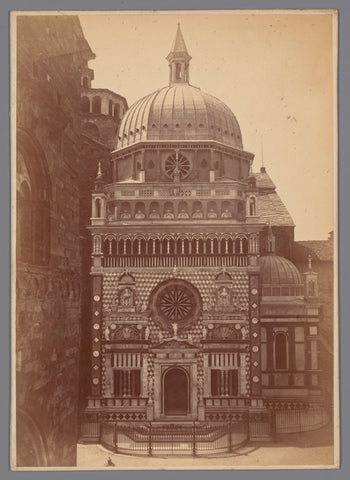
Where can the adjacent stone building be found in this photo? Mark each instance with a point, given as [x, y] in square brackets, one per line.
[52, 55]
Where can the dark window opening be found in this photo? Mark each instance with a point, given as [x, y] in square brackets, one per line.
[127, 383]
[281, 351]
[224, 382]
[178, 71]
[96, 105]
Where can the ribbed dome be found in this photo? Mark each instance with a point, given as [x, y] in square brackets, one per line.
[179, 112]
[277, 270]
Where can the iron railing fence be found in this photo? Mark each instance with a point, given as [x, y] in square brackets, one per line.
[174, 439]
[298, 420]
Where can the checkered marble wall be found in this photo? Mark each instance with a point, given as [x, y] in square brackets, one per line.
[146, 281]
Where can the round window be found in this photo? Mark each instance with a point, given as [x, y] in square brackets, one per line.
[175, 301]
[177, 166]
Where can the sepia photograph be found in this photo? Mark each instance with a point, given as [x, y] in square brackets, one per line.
[174, 240]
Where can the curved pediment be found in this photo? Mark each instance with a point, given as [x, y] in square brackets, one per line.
[174, 344]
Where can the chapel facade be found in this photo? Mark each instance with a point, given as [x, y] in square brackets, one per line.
[197, 312]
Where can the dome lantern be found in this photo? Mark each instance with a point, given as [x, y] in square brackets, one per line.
[179, 60]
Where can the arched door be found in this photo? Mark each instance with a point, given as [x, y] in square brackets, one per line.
[176, 395]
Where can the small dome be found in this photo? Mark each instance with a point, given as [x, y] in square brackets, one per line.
[277, 270]
[179, 112]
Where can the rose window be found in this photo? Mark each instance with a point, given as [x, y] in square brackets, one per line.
[175, 304]
[175, 301]
[177, 166]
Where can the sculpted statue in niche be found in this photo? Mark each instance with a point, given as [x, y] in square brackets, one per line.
[107, 333]
[197, 214]
[139, 215]
[174, 325]
[183, 214]
[226, 214]
[147, 332]
[224, 297]
[168, 214]
[125, 215]
[154, 214]
[212, 213]
[126, 298]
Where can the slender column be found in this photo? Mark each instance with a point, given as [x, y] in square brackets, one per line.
[114, 170]
[197, 246]
[211, 245]
[226, 381]
[139, 246]
[211, 159]
[129, 382]
[110, 247]
[154, 246]
[222, 382]
[133, 162]
[125, 388]
[183, 246]
[230, 389]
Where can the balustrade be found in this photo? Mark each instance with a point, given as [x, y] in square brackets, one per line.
[117, 402]
[239, 260]
[226, 401]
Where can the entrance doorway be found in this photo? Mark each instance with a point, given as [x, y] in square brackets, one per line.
[176, 398]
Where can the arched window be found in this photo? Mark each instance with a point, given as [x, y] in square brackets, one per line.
[252, 206]
[85, 105]
[117, 110]
[281, 351]
[97, 208]
[178, 71]
[85, 82]
[106, 247]
[96, 105]
[33, 194]
[244, 245]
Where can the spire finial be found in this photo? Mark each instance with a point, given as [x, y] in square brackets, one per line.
[309, 258]
[271, 240]
[179, 59]
[99, 170]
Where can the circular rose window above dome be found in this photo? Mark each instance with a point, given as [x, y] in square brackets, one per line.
[175, 301]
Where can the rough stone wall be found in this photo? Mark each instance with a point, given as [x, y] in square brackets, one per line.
[51, 55]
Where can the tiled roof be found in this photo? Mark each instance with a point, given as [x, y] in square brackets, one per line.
[272, 210]
[263, 181]
[319, 249]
